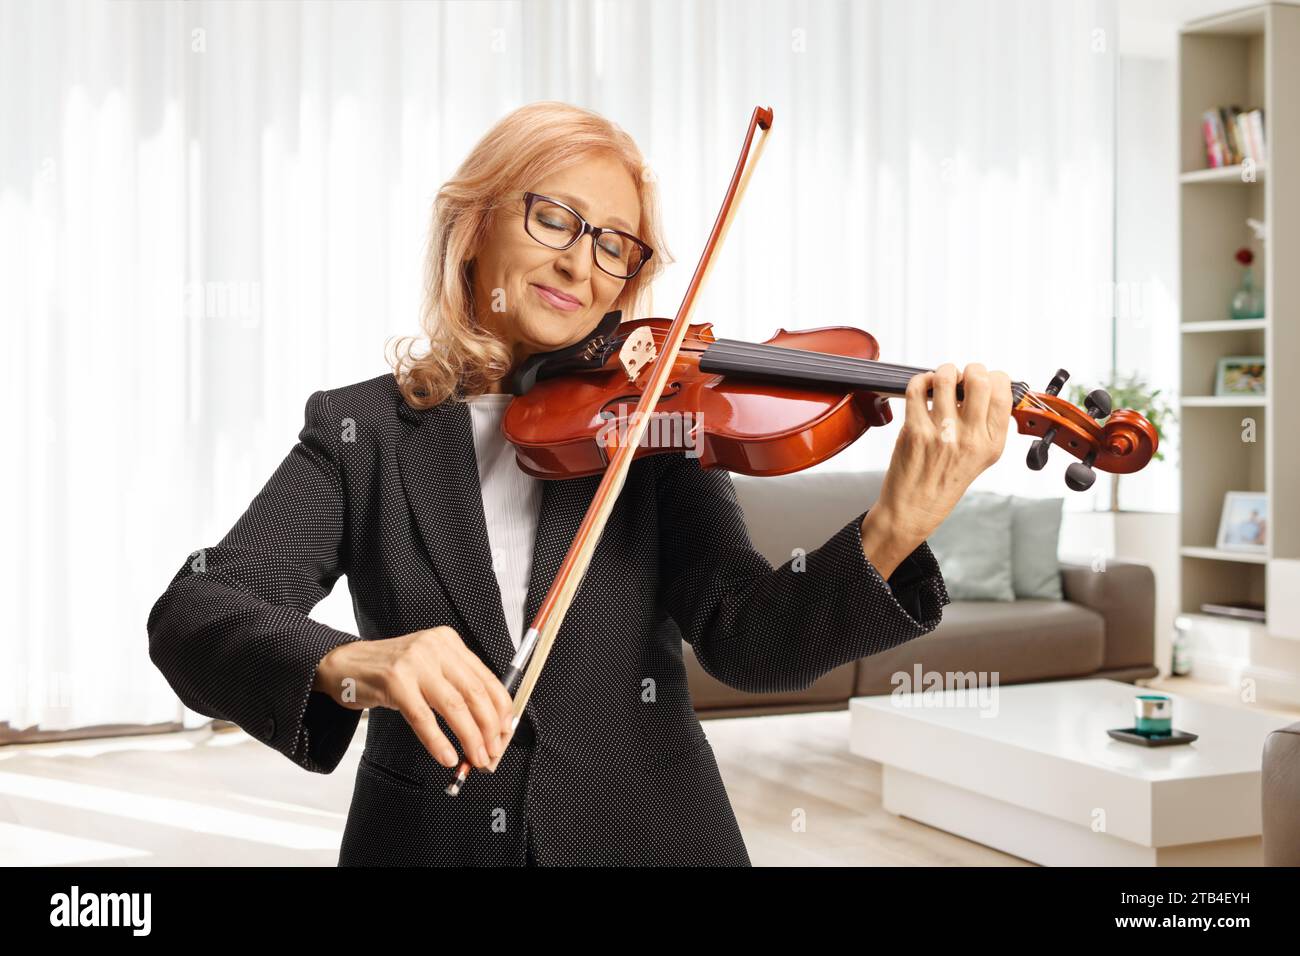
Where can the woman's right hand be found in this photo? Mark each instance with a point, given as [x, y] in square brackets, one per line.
[416, 674]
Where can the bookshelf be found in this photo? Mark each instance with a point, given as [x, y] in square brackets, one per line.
[1223, 174]
[1250, 58]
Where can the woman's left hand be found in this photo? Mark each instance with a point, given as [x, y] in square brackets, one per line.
[939, 452]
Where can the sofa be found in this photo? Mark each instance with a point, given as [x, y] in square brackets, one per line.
[1280, 797]
[1104, 627]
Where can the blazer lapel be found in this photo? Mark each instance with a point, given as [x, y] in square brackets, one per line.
[440, 476]
[439, 472]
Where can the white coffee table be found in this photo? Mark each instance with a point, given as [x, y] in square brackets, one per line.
[1028, 769]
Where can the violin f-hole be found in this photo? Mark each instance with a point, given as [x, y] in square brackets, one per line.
[671, 391]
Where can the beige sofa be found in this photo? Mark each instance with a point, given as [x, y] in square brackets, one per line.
[1105, 627]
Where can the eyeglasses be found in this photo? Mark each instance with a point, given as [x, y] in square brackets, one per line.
[558, 226]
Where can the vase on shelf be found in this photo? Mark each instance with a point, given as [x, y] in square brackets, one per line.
[1248, 300]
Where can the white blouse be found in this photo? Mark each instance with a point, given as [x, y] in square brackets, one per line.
[511, 501]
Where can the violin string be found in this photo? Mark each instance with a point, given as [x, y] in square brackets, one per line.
[889, 375]
[761, 348]
[786, 359]
[790, 360]
[794, 363]
[658, 335]
[885, 371]
[895, 375]
[826, 359]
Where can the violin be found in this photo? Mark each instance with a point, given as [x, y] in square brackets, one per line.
[764, 408]
[768, 408]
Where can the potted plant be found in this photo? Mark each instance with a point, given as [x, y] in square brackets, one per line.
[1148, 537]
[1133, 392]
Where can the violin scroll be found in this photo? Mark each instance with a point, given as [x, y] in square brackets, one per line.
[1121, 446]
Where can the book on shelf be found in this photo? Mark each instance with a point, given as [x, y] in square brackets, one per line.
[1245, 610]
[1233, 136]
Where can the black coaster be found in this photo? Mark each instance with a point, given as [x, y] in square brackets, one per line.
[1130, 736]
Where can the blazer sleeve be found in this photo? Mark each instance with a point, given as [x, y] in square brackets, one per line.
[759, 628]
[231, 632]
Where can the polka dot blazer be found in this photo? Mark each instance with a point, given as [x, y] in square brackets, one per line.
[609, 764]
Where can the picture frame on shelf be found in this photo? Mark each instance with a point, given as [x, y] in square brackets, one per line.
[1240, 375]
[1243, 523]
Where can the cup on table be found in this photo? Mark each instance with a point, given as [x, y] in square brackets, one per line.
[1154, 713]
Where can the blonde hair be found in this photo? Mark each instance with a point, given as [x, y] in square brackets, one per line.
[526, 145]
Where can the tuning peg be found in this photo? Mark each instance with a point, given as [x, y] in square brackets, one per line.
[1037, 456]
[1058, 380]
[1098, 403]
[1080, 476]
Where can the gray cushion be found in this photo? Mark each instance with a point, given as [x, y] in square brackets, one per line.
[1035, 537]
[973, 547]
[802, 510]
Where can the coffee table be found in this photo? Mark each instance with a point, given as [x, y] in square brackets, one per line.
[1028, 769]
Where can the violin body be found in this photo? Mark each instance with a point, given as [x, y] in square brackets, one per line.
[569, 425]
[767, 408]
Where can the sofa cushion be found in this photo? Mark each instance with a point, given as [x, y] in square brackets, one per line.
[802, 510]
[973, 547]
[1022, 640]
[1035, 539]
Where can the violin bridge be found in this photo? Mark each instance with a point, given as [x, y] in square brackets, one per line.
[637, 352]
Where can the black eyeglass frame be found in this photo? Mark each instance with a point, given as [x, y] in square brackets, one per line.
[596, 233]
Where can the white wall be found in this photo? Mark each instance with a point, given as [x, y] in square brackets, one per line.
[1146, 256]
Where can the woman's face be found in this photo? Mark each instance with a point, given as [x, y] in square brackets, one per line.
[512, 268]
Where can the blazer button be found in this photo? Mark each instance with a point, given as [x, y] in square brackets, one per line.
[268, 728]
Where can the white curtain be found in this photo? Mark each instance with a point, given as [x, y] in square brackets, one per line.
[210, 210]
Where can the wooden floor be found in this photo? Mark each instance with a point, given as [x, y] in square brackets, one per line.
[204, 799]
[803, 800]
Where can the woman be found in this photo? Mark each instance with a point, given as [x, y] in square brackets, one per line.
[404, 484]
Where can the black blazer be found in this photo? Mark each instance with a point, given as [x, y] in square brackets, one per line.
[609, 764]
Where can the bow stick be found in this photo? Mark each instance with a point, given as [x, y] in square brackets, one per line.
[539, 637]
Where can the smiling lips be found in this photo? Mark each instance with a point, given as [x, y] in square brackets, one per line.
[566, 303]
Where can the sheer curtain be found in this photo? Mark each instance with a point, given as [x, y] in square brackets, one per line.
[210, 210]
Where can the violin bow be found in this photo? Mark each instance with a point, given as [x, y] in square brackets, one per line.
[541, 634]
